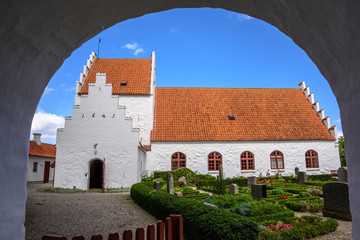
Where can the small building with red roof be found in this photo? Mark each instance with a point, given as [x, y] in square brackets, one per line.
[41, 160]
[124, 127]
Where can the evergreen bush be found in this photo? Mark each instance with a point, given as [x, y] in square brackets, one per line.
[200, 221]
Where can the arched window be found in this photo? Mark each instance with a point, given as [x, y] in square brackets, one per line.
[312, 159]
[214, 161]
[247, 161]
[277, 160]
[178, 160]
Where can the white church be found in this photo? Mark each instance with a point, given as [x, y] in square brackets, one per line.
[124, 126]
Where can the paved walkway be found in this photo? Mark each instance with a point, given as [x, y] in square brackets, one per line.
[81, 214]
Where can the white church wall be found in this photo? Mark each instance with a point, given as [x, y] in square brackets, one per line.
[97, 130]
[159, 158]
[141, 110]
[38, 176]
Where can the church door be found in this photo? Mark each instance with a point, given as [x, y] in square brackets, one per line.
[46, 172]
[96, 174]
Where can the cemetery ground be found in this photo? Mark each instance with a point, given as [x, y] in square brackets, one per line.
[82, 213]
[287, 211]
[283, 210]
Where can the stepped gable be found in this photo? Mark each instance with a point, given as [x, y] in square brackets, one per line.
[202, 114]
[42, 150]
[135, 72]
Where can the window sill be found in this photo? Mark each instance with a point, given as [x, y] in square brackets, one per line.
[248, 171]
[313, 169]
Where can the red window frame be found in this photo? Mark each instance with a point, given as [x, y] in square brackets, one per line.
[214, 161]
[247, 161]
[178, 160]
[312, 159]
[277, 160]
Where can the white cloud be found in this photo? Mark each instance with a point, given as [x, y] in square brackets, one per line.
[48, 90]
[337, 121]
[243, 17]
[173, 30]
[137, 51]
[46, 124]
[134, 46]
[239, 16]
[131, 46]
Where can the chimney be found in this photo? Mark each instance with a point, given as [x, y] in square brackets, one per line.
[37, 138]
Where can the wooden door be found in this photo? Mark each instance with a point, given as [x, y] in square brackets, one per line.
[46, 172]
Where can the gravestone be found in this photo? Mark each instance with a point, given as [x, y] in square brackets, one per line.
[157, 185]
[221, 172]
[342, 174]
[296, 170]
[251, 180]
[233, 188]
[182, 179]
[258, 191]
[170, 183]
[302, 178]
[335, 179]
[336, 201]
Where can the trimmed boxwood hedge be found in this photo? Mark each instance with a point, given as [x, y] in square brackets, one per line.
[200, 221]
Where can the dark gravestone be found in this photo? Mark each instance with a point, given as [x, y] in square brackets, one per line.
[170, 183]
[302, 178]
[296, 170]
[342, 174]
[157, 185]
[336, 201]
[258, 191]
[251, 180]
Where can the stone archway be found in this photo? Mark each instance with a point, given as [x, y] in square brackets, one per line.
[37, 36]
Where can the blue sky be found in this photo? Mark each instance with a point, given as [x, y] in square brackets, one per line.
[194, 48]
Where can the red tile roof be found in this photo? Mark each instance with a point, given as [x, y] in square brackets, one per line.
[136, 72]
[43, 150]
[201, 114]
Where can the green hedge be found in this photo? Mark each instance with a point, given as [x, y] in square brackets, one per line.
[220, 186]
[322, 177]
[200, 221]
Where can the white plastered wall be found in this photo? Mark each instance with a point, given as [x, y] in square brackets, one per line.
[159, 158]
[97, 130]
[141, 110]
[39, 174]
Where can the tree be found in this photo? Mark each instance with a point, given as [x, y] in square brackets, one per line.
[342, 151]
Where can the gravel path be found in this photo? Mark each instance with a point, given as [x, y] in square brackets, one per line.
[81, 214]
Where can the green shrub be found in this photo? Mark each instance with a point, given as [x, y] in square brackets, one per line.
[293, 234]
[205, 177]
[200, 221]
[277, 191]
[224, 201]
[243, 210]
[304, 195]
[322, 177]
[266, 235]
[186, 172]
